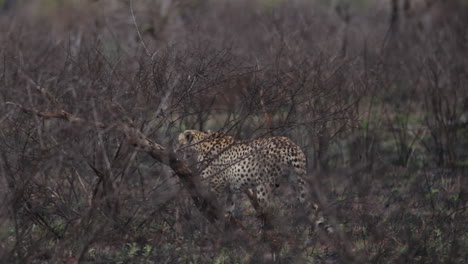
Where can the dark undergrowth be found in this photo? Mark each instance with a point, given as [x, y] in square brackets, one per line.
[375, 94]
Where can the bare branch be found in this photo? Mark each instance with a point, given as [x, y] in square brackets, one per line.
[144, 144]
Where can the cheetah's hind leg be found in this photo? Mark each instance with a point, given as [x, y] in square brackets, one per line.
[263, 195]
[309, 202]
[230, 205]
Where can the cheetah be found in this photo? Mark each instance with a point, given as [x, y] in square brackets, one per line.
[234, 166]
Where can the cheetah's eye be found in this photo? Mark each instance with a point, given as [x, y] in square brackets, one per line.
[189, 137]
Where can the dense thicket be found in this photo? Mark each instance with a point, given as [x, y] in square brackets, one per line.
[375, 93]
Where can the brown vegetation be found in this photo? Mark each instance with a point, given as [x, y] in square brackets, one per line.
[94, 93]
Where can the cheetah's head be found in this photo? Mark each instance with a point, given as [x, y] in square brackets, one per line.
[187, 142]
[190, 138]
[194, 142]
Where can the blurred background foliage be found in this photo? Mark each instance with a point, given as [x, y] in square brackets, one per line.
[375, 92]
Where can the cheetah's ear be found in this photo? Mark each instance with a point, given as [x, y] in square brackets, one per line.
[189, 137]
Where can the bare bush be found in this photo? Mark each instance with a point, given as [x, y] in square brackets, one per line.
[93, 95]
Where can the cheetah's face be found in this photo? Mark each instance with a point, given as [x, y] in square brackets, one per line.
[187, 142]
[185, 139]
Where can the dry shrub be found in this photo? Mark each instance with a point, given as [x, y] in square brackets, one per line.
[380, 113]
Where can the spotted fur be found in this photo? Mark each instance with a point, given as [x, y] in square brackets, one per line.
[233, 166]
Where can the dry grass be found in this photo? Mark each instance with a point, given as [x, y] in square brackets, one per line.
[380, 111]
